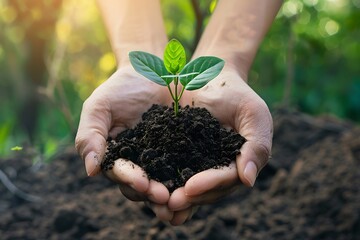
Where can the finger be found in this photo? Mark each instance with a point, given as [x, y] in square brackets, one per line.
[178, 200]
[206, 185]
[158, 193]
[90, 140]
[127, 173]
[161, 211]
[252, 159]
[254, 122]
[212, 196]
[180, 217]
[211, 179]
[131, 194]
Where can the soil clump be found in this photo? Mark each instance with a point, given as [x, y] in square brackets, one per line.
[171, 149]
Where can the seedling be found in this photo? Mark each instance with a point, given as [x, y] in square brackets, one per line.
[194, 75]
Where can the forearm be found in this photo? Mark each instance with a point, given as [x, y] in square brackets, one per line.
[133, 25]
[236, 30]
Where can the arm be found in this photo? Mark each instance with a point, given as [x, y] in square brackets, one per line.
[234, 34]
[236, 30]
[119, 102]
[133, 25]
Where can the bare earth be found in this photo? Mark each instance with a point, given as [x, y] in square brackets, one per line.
[309, 190]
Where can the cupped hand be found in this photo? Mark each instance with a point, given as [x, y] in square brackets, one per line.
[231, 100]
[114, 106]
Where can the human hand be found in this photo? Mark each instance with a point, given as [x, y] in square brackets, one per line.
[237, 106]
[114, 106]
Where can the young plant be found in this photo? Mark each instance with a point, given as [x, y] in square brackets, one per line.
[194, 75]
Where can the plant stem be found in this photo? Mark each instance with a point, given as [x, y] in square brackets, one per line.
[171, 93]
[181, 93]
[176, 107]
[176, 99]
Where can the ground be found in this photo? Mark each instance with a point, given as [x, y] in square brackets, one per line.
[309, 190]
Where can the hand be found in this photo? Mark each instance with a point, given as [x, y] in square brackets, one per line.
[114, 106]
[237, 106]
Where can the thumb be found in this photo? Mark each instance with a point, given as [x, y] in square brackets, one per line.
[93, 129]
[254, 156]
[256, 151]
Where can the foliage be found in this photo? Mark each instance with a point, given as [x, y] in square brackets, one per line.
[194, 75]
[320, 36]
[311, 55]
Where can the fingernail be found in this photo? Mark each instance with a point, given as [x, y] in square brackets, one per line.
[250, 173]
[91, 163]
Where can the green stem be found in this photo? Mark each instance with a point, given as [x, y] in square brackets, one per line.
[176, 99]
[182, 91]
[171, 93]
[176, 107]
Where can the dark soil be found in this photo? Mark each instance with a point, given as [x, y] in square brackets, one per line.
[171, 149]
[309, 190]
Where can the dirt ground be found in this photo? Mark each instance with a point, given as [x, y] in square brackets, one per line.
[309, 190]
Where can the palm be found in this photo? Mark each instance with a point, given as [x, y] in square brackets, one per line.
[127, 95]
[233, 103]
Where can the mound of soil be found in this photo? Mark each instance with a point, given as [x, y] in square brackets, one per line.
[171, 149]
[309, 190]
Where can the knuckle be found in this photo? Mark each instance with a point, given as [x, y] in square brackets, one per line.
[78, 143]
[88, 104]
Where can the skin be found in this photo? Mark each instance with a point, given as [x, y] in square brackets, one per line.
[234, 33]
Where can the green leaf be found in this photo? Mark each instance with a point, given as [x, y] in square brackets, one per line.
[174, 56]
[150, 66]
[207, 68]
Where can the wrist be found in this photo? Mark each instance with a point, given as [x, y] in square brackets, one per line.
[234, 74]
[237, 63]
[122, 50]
[133, 25]
[236, 30]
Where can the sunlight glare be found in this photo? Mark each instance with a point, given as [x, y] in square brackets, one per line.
[7, 14]
[292, 7]
[311, 3]
[332, 27]
[107, 62]
[63, 29]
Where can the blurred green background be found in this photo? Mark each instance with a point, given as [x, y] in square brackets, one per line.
[54, 53]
